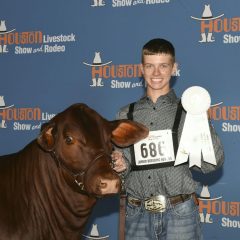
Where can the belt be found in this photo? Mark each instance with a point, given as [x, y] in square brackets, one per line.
[158, 203]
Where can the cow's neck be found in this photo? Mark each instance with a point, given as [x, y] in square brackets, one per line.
[56, 204]
[72, 207]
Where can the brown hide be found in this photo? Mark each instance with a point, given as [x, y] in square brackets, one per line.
[48, 189]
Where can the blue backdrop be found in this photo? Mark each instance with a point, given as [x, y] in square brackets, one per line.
[55, 53]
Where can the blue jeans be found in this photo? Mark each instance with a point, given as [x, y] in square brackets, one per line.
[179, 222]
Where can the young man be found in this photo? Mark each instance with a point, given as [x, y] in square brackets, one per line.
[161, 200]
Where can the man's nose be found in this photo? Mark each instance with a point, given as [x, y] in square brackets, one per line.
[156, 70]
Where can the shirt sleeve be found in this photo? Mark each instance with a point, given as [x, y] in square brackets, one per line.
[122, 114]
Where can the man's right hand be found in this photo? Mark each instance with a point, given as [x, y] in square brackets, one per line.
[118, 161]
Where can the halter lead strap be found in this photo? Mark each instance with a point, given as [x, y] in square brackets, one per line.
[74, 175]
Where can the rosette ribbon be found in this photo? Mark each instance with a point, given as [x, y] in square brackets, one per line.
[196, 141]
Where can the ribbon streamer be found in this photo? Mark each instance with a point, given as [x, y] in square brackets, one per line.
[196, 141]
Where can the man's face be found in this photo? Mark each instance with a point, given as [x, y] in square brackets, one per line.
[157, 71]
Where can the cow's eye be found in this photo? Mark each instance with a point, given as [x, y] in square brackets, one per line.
[69, 140]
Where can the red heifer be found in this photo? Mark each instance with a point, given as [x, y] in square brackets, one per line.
[48, 189]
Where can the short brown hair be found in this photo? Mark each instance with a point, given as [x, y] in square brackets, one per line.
[158, 46]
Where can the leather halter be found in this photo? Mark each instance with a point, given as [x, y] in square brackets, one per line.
[75, 175]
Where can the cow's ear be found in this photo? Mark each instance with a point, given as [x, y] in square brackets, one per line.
[127, 132]
[46, 137]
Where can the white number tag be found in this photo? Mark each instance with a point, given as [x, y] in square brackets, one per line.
[156, 148]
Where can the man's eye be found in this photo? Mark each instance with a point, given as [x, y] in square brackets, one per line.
[148, 66]
[69, 140]
[164, 66]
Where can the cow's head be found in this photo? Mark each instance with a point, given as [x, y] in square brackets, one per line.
[81, 142]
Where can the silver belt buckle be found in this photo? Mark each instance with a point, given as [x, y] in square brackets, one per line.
[156, 204]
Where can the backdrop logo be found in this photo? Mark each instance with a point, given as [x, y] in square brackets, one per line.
[208, 24]
[22, 118]
[211, 25]
[32, 42]
[102, 72]
[96, 65]
[205, 196]
[209, 206]
[127, 3]
[98, 3]
[4, 30]
[94, 234]
[3, 106]
[227, 114]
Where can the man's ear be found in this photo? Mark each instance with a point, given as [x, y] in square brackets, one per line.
[46, 139]
[142, 69]
[175, 68]
[127, 132]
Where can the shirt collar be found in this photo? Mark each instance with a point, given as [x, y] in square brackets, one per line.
[170, 97]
